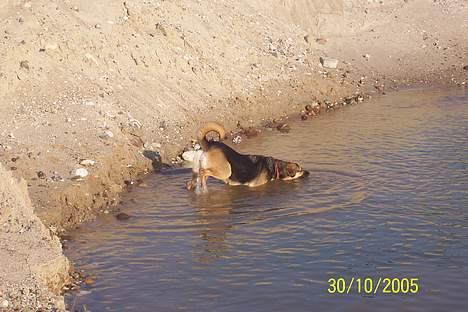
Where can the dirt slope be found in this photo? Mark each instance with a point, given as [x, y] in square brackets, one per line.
[31, 263]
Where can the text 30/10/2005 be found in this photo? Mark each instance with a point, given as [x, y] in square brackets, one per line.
[373, 286]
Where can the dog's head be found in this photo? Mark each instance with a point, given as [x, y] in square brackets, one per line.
[289, 170]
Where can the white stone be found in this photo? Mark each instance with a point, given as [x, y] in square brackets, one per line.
[80, 173]
[328, 62]
[4, 304]
[87, 162]
[51, 46]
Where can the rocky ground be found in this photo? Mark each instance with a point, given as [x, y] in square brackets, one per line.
[93, 93]
[32, 266]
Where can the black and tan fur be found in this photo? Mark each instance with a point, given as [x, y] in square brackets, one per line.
[221, 162]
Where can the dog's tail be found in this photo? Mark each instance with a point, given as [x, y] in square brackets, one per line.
[208, 127]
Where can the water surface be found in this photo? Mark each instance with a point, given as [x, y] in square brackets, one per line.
[386, 197]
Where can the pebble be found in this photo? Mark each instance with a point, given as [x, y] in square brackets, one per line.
[251, 132]
[4, 304]
[106, 134]
[122, 216]
[366, 56]
[237, 139]
[51, 46]
[88, 281]
[465, 67]
[304, 116]
[24, 64]
[328, 62]
[80, 173]
[283, 127]
[56, 177]
[87, 162]
[321, 40]
[41, 175]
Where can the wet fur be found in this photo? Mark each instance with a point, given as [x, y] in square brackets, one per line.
[221, 162]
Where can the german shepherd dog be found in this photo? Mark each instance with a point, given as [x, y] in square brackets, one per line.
[221, 162]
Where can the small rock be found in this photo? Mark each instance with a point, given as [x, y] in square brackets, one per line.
[237, 139]
[107, 134]
[51, 46]
[321, 40]
[465, 67]
[24, 64]
[88, 281]
[250, 132]
[328, 62]
[41, 175]
[97, 26]
[366, 56]
[14, 159]
[380, 88]
[196, 146]
[304, 116]
[87, 162]
[80, 173]
[122, 216]
[56, 177]
[4, 304]
[283, 127]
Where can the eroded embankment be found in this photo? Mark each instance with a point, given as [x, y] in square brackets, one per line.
[32, 266]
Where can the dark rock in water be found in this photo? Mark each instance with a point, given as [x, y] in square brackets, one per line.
[65, 237]
[88, 281]
[122, 216]
[283, 127]
[251, 132]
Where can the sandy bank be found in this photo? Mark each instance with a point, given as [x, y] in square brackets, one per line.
[32, 266]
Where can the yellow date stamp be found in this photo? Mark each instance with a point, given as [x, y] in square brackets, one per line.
[373, 286]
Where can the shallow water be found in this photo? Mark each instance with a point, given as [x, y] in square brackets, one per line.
[386, 197]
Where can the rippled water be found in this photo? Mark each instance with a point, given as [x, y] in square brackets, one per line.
[387, 197]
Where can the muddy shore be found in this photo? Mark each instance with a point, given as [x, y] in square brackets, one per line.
[117, 89]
